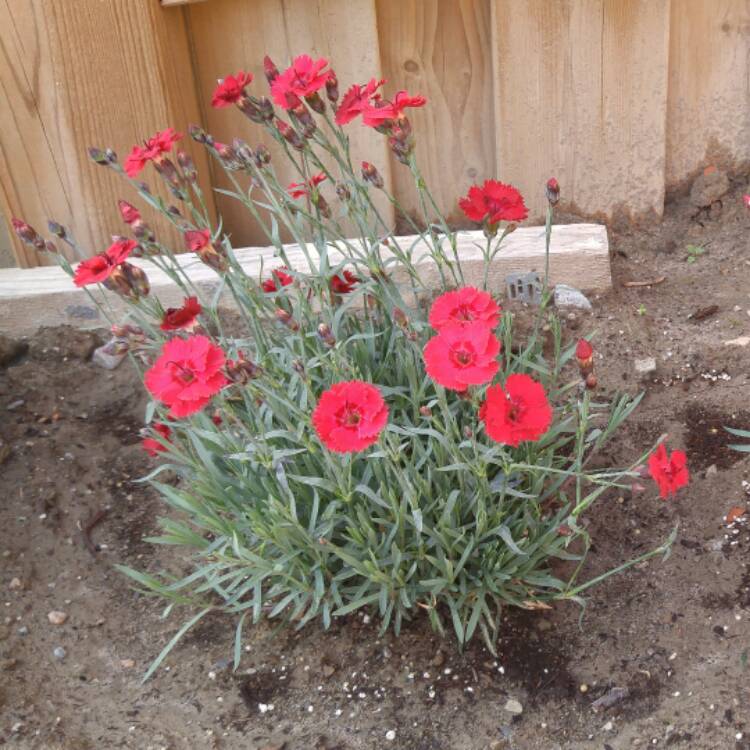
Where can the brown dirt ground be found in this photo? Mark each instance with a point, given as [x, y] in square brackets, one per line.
[676, 634]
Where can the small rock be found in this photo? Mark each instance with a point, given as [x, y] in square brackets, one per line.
[568, 296]
[584, 688]
[741, 341]
[544, 625]
[390, 735]
[645, 366]
[23, 630]
[127, 663]
[708, 188]
[59, 653]
[56, 617]
[498, 744]
[711, 470]
[328, 670]
[11, 350]
[103, 357]
[608, 727]
[13, 405]
[15, 584]
[512, 706]
[439, 659]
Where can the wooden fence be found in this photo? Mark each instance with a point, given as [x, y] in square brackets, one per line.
[620, 99]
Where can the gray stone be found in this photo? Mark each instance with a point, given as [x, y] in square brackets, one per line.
[645, 366]
[708, 188]
[512, 706]
[568, 296]
[105, 358]
[59, 653]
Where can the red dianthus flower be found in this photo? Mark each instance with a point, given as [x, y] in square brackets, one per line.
[302, 78]
[669, 472]
[350, 416]
[462, 355]
[185, 317]
[279, 278]
[344, 282]
[375, 116]
[298, 189]
[464, 306]
[493, 202]
[187, 374]
[231, 89]
[517, 412]
[153, 150]
[356, 100]
[151, 445]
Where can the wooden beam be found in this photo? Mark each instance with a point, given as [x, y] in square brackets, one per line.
[88, 73]
[579, 256]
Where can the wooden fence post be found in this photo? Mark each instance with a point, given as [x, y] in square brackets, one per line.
[80, 74]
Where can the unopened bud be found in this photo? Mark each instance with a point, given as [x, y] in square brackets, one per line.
[425, 411]
[326, 335]
[322, 205]
[286, 319]
[591, 381]
[304, 119]
[111, 156]
[261, 156]
[57, 229]
[290, 135]
[552, 189]
[189, 172]
[270, 70]
[265, 108]
[468, 432]
[371, 175]
[197, 133]
[242, 370]
[98, 156]
[584, 356]
[299, 367]
[315, 103]
[137, 279]
[130, 214]
[343, 192]
[332, 88]
[27, 234]
[399, 316]
[50, 247]
[637, 488]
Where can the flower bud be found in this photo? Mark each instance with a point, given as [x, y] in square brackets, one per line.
[137, 279]
[552, 189]
[343, 192]
[130, 214]
[332, 88]
[399, 316]
[315, 103]
[322, 205]
[261, 156]
[57, 229]
[242, 370]
[468, 432]
[290, 135]
[249, 108]
[286, 318]
[197, 133]
[99, 157]
[371, 175]
[584, 356]
[111, 156]
[326, 335]
[189, 172]
[270, 70]
[299, 367]
[27, 234]
[425, 411]
[304, 119]
[591, 381]
[244, 152]
[265, 108]
[50, 247]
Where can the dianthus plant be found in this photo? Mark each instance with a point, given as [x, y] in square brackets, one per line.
[371, 435]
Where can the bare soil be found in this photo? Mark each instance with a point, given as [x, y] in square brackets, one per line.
[673, 635]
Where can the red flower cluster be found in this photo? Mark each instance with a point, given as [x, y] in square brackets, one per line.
[100, 267]
[462, 355]
[185, 317]
[300, 189]
[493, 202]
[669, 472]
[279, 278]
[350, 416]
[130, 214]
[464, 306]
[231, 89]
[153, 150]
[187, 374]
[516, 413]
[152, 445]
[302, 78]
[382, 114]
[356, 100]
[344, 282]
[197, 239]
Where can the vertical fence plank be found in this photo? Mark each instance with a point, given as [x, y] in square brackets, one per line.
[580, 93]
[81, 74]
[232, 35]
[709, 86]
[442, 49]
